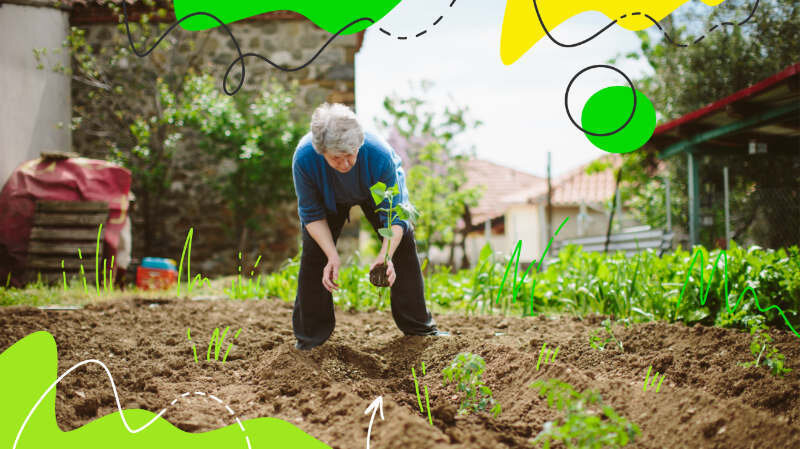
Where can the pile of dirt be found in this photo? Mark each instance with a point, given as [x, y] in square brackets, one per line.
[706, 400]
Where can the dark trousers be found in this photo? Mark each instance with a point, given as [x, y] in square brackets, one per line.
[313, 319]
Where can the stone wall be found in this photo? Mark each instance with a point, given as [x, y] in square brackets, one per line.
[285, 38]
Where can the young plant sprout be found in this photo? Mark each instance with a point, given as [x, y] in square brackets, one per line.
[377, 276]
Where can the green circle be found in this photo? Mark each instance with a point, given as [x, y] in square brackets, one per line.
[608, 109]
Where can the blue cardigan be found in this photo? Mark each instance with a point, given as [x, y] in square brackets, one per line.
[376, 161]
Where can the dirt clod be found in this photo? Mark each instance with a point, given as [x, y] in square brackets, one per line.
[378, 277]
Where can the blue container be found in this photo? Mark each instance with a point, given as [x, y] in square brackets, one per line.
[159, 263]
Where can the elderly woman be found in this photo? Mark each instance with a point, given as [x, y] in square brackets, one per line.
[333, 168]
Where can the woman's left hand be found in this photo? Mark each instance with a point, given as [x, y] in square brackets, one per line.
[389, 268]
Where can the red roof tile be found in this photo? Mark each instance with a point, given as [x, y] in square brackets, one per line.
[573, 187]
[498, 182]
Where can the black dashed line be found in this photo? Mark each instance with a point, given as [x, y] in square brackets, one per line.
[385, 32]
[421, 33]
[728, 24]
[636, 13]
[623, 16]
[438, 20]
[452, 3]
[713, 28]
[402, 38]
[699, 39]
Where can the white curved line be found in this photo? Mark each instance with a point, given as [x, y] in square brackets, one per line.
[113, 387]
[119, 406]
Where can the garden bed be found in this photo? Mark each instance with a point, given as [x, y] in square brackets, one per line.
[706, 400]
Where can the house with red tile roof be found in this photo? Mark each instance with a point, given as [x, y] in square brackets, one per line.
[514, 207]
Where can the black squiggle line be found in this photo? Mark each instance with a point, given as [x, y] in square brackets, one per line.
[669, 39]
[241, 57]
[596, 66]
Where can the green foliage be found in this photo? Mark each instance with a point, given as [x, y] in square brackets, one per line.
[254, 138]
[685, 79]
[587, 422]
[603, 336]
[282, 283]
[761, 346]
[436, 178]
[465, 371]
[385, 197]
[438, 192]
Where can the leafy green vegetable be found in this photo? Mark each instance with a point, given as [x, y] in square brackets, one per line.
[587, 422]
[465, 370]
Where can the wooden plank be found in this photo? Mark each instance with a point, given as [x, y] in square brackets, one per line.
[52, 277]
[72, 206]
[71, 234]
[42, 262]
[52, 219]
[67, 249]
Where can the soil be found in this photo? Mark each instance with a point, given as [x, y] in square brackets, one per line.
[378, 277]
[706, 400]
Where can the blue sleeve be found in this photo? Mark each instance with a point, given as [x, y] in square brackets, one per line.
[309, 198]
[389, 177]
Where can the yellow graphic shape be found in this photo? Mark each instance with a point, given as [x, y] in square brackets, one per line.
[521, 27]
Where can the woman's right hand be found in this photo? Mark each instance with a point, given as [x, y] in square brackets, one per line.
[331, 273]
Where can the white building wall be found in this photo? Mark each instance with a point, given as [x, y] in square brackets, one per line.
[33, 102]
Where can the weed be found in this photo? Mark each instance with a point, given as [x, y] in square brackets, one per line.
[466, 370]
[599, 341]
[587, 422]
[761, 346]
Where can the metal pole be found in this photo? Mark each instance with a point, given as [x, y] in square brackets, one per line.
[727, 209]
[669, 206]
[693, 199]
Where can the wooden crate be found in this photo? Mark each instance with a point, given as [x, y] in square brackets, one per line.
[60, 229]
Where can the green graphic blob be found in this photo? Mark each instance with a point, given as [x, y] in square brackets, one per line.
[330, 16]
[608, 109]
[30, 366]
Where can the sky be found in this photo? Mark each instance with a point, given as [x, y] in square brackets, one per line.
[521, 105]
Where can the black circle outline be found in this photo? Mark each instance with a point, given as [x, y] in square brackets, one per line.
[597, 66]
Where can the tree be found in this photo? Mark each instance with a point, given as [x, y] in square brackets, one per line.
[117, 110]
[684, 79]
[436, 179]
[140, 112]
[439, 196]
[256, 141]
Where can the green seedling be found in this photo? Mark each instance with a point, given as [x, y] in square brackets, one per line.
[216, 342]
[648, 382]
[549, 355]
[249, 287]
[598, 340]
[380, 194]
[466, 370]
[587, 422]
[761, 347]
[419, 399]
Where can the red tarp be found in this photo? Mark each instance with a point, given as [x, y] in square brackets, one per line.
[74, 179]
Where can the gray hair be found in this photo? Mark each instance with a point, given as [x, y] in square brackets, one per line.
[335, 130]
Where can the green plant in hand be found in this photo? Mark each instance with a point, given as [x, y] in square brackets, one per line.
[598, 340]
[466, 370]
[765, 354]
[587, 422]
[382, 194]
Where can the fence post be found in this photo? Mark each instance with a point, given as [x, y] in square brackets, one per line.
[694, 203]
[727, 209]
[668, 205]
